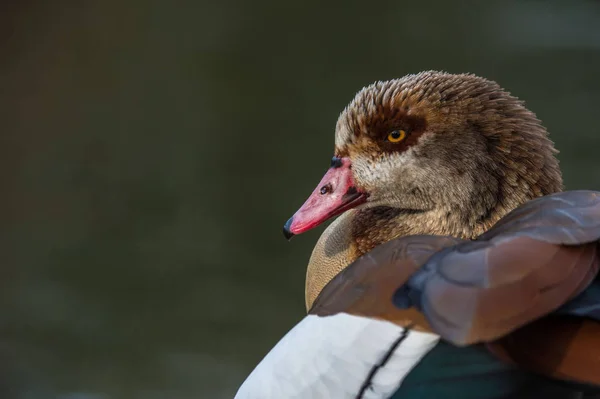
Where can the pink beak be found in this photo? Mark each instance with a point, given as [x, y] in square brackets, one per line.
[335, 194]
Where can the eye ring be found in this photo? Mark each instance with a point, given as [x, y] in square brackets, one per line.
[396, 136]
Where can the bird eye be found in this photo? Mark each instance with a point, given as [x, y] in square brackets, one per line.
[396, 136]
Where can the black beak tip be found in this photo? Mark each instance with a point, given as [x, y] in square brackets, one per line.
[286, 229]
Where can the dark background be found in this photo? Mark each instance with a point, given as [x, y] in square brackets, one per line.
[151, 152]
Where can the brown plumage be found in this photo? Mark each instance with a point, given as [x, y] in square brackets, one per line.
[472, 153]
[562, 347]
[422, 250]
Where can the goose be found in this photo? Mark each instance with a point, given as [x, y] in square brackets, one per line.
[455, 267]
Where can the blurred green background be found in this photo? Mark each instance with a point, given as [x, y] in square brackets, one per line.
[151, 152]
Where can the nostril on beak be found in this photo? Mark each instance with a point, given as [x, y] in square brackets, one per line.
[326, 189]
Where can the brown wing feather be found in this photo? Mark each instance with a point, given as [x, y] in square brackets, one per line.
[367, 286]
[532, 261]
[558, 346]
[489, 292]
[570, 217]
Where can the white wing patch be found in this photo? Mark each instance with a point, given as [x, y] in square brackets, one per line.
[339, 356]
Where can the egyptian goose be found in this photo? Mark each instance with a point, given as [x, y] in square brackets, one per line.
[444, 275]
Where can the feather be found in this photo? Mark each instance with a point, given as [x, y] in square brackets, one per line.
[339, 356]
[532, 262]
[472, 372]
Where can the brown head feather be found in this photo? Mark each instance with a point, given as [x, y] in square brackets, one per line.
[472, 153]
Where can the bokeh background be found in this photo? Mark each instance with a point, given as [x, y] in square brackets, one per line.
[151, 151]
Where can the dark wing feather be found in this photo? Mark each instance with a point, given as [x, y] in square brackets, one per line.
[528, 265]
[472, 372]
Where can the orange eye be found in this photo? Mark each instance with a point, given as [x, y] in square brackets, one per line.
[396, 136]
